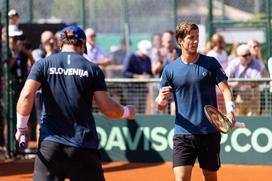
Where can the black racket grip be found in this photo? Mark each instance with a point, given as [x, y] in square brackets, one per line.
[22, 141]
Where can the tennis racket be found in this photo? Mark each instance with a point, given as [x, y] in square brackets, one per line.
[219, 121]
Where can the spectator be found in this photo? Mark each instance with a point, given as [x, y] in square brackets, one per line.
[13, 25]
[94, 52]
[255, 52]
[47, 47]
[14, 18]
[248, 95]
[138, 65]
[208, 47]
[233, 52]
[156, 41]
[218, 51]
[269, 64]
[20, 62]
[155, 54]
[167, 53]
[114, 70]
[21, 56]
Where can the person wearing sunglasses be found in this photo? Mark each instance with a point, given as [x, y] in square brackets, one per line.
[248, 94]
[95, 53]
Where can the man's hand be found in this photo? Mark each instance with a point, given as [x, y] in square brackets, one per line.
[20, 132]
[165, 92]
[231, 118]
[163, 96]
[132, 112]
[21, 137]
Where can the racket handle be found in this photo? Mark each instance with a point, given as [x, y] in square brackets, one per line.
[22, 142]
[239, 125]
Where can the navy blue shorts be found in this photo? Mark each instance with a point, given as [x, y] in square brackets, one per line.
[205, 147]
[55, 161]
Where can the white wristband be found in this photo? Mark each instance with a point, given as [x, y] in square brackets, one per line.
[230, 106]
[22, 121]
[126, 112]
[160, 101]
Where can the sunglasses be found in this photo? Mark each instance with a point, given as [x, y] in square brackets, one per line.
[93, 35]
[246, 55]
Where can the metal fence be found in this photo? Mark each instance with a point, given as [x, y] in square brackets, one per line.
[133, 18]
[252, 97]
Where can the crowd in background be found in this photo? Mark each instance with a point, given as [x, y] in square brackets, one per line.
[148, 61]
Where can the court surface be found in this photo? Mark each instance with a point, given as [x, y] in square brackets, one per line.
[21, 170]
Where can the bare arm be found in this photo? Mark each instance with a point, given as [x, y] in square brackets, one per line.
[24, 106]
[110, 107]
[230, 106]
[27, 96]
[225, 89]
[103, 62]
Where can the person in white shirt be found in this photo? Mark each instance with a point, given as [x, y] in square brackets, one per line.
[218, 50]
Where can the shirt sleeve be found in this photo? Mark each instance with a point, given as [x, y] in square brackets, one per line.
[36, 72]
[127, 72]
[101, 54]
[165, 80]
[99, 81]
[218, 72]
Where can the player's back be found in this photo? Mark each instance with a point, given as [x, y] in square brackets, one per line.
[68, 84]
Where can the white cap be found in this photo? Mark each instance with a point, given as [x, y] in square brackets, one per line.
[243, 50]
[145, 46]
[12, 13]
[14, 31]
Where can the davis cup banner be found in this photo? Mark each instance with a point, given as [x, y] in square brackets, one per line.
[149, 139]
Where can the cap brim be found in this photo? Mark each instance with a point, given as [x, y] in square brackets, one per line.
[17, 33]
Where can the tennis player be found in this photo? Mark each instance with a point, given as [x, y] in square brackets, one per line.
[192, 78]
[68, 138]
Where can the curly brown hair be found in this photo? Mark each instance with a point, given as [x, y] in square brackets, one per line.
[69, 37]
[184, 28]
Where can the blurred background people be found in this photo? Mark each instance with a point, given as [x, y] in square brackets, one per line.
[14, 18]
[248, 94]
[208, 47]
[118, 55]
[95, 53]
[138, 65]
[218, 50]
[166, 54]
[47, 47]
[20, 62]
[255, 51]
[233, 52]
[269, 65]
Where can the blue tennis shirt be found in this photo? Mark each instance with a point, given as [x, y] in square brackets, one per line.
[68, 83]
[193, 87]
